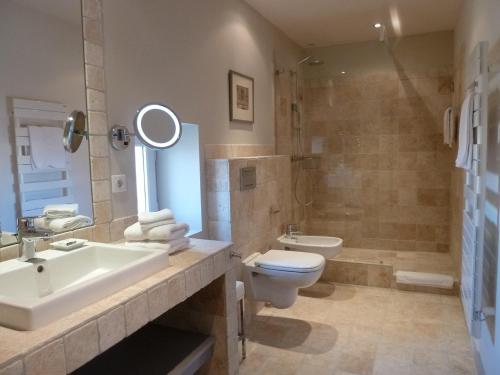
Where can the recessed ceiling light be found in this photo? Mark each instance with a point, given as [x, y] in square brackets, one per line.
[377, 25]
[342, 72]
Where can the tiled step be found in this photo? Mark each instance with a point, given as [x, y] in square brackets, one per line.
[377, 268]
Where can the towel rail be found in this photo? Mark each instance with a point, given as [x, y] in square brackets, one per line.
[38, 187]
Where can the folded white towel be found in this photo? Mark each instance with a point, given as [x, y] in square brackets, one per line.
[179, 244]
[68, 223]
[152, 217]
[464, 155]
[146, 227]
[149, 245]
[448, 127]
[42, 223]
[161, 233]
[170, 246]
[47, 150]
[57, 211]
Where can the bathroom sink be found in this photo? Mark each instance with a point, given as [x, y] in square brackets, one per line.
[329, 247]
[35, 294]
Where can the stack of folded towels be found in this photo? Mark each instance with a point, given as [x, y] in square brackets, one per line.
[158, 230]
[61, 217]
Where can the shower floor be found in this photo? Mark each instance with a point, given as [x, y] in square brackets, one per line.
[377, 268]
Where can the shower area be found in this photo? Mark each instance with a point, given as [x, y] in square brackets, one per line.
[363, 124]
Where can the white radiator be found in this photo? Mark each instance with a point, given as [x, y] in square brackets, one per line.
[39, 187]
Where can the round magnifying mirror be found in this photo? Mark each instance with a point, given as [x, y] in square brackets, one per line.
[157, 126]
[74, 131]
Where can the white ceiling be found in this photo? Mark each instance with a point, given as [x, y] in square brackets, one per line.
[327, 22]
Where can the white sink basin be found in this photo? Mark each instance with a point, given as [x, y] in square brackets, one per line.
[329, 247]
[32, 295]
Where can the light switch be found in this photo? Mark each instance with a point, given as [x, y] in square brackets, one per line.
[118, 183]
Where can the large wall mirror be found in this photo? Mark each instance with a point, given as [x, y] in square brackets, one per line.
[41, 83]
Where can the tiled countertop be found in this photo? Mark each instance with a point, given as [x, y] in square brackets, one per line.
[63, 346]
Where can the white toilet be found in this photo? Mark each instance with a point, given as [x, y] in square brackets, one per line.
[277, 275]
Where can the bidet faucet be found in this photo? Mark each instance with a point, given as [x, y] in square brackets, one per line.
[292, 230]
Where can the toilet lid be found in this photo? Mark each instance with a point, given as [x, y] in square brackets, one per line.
[291, 261]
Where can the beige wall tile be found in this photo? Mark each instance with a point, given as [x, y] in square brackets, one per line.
[136, 313]
[96, 100]
[116, 229]
[94, 77]
[92, 30]
[99, 146]
[193, 280]
[176, 290]
[15, 368]
[111, 328]
[99, 168]
[91, 8]
[102, 212]
[98, 124]
[207, 271]
[49, 359]
[100, 233]
[9, 252]
[221, 262]
[101, 190]
[93, 53]
[81, 345]
[158, 300]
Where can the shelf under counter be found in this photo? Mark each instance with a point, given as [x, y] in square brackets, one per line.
[153, 350]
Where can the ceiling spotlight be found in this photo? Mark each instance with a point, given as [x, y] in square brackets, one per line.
[377, 25]
[342, 72]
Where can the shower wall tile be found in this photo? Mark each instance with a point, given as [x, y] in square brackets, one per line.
[384, 178]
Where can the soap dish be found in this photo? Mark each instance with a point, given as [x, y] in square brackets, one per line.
[69, 244]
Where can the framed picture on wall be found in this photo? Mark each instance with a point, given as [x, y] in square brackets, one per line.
[241, 95]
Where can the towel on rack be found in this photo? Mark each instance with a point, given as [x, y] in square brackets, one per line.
[464, 155]
[57, 211]
[448, 127]
[47, 150]
[68, 223]
[161, 233]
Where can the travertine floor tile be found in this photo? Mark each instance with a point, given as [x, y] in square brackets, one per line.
[351, 330]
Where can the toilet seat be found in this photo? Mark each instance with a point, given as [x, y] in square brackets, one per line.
[290, 261]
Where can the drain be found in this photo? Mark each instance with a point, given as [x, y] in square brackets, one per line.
[39, 269]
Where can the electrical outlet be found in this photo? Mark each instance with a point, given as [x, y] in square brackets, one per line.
[118, 183]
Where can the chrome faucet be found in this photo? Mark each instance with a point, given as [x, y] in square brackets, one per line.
[28, 235]
[292, 230]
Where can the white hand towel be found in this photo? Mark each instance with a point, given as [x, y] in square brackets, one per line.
[179, 244]
[74, 222]
[57, 211]
[464, 155]
[146, 227]
[170, 246]
[47, 150]
[152, 217]
[161, 233]
[42, 223]
[149, 245]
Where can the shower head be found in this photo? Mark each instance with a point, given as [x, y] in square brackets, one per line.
[310, 61]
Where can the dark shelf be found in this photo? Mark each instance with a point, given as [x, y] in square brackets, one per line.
[152, 350]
